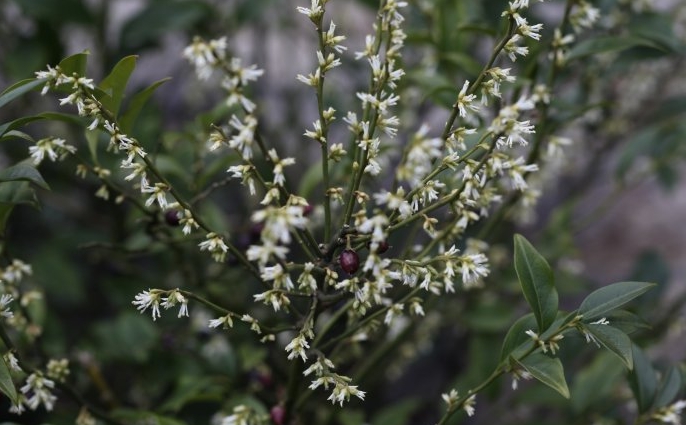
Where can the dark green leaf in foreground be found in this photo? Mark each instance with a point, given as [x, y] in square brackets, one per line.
[23, 172]
[536, 279]
[614, 340]
[18, 89]
[548, 370]
[516, 336]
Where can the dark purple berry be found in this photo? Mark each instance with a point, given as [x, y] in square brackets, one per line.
[349, 261]
[381, 248]
[307, 210]
[172, 217]
[256, 233]
[278, 415]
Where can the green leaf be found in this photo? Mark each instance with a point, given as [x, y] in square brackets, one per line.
[6, 384]
[17, 192]
[23, 172]
[596, 381]
[75, 64]
[614, 340]
[537, 281]
[516, 337]
[626, 321]
[92, 138]
[643, 380]
[17, 89]
[114, 84]
[547, 370]
[608, 44]
[671, 385]
[137, 102]
[55, 116]
[608, 298]
[5, 211]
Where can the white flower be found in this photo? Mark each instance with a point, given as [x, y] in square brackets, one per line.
[158, 193]
[205, 56]
[175, 297]
[4, 310]
[297, 348]
[54, 148]
[465, 100]
[468, 405]
[38, 390]
[215, 245]
[224, 321]
[314, 12]
[148, 299]
[671, 414]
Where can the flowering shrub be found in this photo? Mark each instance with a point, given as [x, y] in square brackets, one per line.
[314, 281]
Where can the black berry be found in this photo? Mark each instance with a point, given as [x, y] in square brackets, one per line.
[172, 217]
[349, 261]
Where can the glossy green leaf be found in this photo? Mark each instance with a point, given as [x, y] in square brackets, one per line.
[23, 172]
[115, 83]
[137, 102]
[6, 384]
[17, 89]
[537, 281]
[516, 337]
[669, 390]
[606, 44]
[614, 340]
[547, 370]
[610, 297]
[643, 380]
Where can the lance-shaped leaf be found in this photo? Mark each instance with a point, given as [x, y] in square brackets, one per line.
[6, 384]
[137, 102]
[18, 89]
[614, 340]
[643, 380]
[548, 370]
[671, 385]
[115, 84]
[610, 297]
[536, 279]
[23, 172]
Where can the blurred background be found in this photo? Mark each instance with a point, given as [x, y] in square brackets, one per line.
[612, 211]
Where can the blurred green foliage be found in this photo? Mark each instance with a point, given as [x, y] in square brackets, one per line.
[91, 256]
